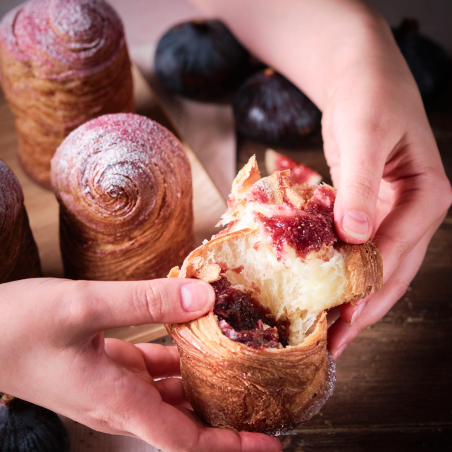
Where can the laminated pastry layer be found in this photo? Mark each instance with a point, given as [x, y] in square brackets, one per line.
[124, 187]
[231, 385]
[63, 62]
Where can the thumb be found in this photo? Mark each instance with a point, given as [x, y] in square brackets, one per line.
[361, 172]
[93, 306]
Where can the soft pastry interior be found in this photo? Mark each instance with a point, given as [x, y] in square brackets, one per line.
[280, 247]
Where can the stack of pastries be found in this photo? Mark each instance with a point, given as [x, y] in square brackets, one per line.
[124, 186]
[63, 62]
[259, 360]
[18, 251]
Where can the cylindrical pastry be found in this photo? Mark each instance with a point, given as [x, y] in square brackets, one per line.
[259, 361]
[63, 62]
[18, 251]
[125, 192]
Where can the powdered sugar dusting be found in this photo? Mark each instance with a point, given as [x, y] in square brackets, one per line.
[124, 187]
[114, 172]
[61, 39]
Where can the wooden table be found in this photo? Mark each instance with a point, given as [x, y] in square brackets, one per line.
[393, 390]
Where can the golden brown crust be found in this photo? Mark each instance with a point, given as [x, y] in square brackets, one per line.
[53, 89]
[231, 385]
[365, 270]
[18, 251]
[124, 187]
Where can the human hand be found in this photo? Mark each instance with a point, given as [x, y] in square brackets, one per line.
[388, 171]
[378, 143]
[54, 354]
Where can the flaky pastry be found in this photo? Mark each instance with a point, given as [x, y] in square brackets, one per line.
[259, 360]
[124, 187]
[63, 62]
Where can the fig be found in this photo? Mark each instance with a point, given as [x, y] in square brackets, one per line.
[200, 59]
[25, 427]
[299, 173]
[269, 108]
[428, 61]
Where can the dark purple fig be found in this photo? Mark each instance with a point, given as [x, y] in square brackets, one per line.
[200, 59]
[25, 427]
[269, 108]
[428, 61]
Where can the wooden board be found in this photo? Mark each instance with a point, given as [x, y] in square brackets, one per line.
[42, 207]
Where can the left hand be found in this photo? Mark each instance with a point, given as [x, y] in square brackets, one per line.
[54, 354]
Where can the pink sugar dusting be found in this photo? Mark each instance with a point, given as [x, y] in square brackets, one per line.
[63, 39]
[305, 229]
[114, 171]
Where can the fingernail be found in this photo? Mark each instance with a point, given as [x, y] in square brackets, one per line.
[357, 312]
[339, 352]
[356, 224]
[194, 297]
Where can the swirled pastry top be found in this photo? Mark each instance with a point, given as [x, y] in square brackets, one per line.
[63, 39]
[118, 172]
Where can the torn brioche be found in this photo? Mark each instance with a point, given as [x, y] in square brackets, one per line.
[259, 361]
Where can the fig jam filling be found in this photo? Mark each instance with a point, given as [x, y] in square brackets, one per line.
[243, 319]
[308, 229]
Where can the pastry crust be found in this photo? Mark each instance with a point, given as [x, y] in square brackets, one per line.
[124, 187]
[62, 64]
[18, 251]
[231, 385]
[271, 390]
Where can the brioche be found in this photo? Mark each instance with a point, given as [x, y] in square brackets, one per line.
[279, 261]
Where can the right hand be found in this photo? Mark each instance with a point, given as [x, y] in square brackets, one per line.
[55, 355]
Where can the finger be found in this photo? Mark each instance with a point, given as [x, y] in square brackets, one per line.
[91, 306]
[341, 333]
[172, 392]
[168, 428]
[363, 152]
[193, 416]
[418, 212]
[161, 361]
[126, 355]
[349, 312]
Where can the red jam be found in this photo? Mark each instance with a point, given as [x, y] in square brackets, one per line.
[261, 193]
[242, 318]
[256, 338]
[308, 229]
